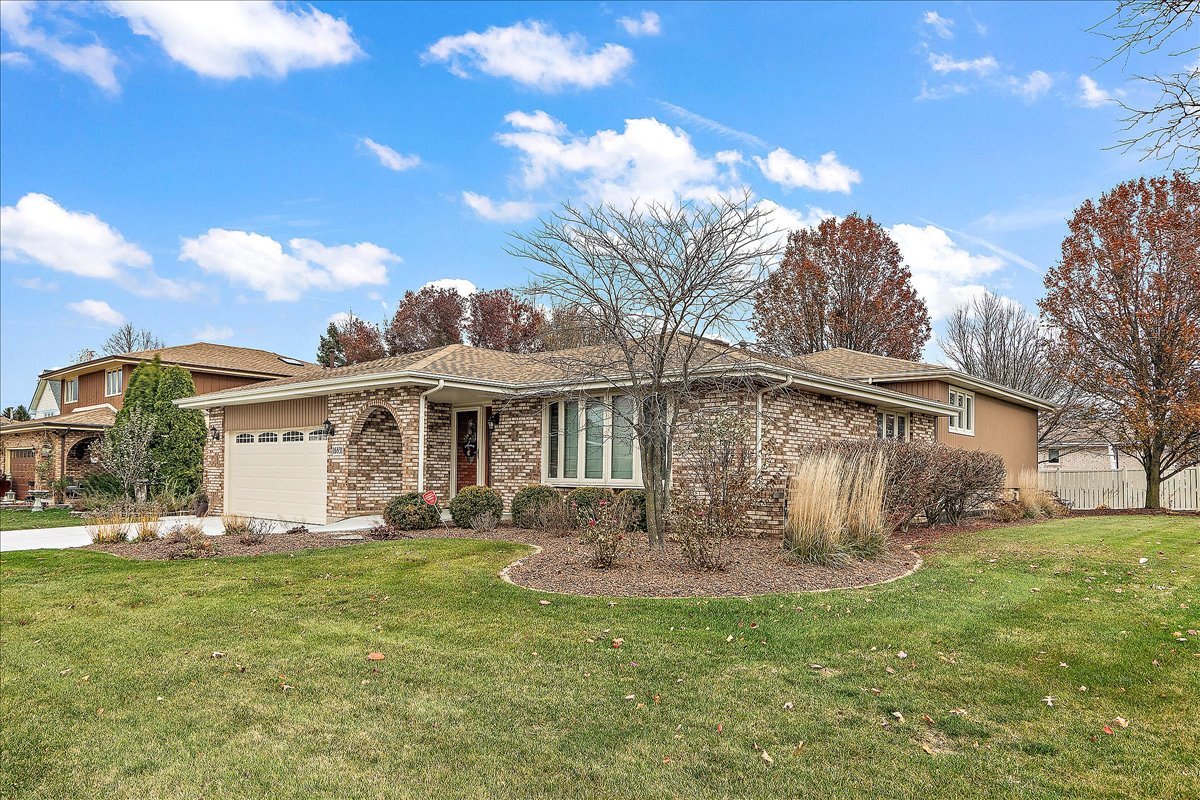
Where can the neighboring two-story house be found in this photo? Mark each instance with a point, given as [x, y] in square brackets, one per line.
[74, 405]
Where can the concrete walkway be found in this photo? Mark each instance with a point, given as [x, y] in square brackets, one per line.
[77, 535]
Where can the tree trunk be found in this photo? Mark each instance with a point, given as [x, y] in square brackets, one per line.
[656, 470]
[1153, 468]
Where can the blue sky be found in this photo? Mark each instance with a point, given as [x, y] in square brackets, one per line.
[242, 173]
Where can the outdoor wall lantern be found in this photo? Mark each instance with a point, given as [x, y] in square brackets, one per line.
[328, 428]
[47, 450]
[214, 434]
[493, 420]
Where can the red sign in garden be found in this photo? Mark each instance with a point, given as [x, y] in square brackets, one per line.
[430, 498]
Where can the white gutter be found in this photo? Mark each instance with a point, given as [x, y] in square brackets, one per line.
[421, 435]
[758, 421]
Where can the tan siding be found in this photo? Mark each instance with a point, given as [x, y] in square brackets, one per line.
[306, 412]
[213, 382]
[1001, 427]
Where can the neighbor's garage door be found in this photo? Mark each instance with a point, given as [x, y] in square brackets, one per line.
[21, 467]
[277, 475]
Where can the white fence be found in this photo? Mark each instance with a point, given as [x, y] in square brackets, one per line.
[1124, 488]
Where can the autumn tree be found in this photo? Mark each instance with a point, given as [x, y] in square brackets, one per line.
[841, 284]
[350, 340]
[128, 339]
[428, 318]
[1125, 303]
[499, 320]
[997, 339]
[662, 281]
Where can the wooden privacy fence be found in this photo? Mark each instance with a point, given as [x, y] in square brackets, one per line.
[1125, 488]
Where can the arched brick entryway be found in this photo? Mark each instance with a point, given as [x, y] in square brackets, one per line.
[376, 473]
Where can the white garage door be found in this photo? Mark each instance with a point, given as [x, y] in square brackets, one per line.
[277, 475]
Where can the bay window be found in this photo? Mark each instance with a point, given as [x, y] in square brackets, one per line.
[591, 441]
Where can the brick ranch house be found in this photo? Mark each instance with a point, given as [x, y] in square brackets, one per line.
[341, 442]
[74, 405]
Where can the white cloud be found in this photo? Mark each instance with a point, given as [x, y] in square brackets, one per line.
[260, 263]
[15, 58]
[538, 121]
[239, 40]
[38, 230]
[532, 54]
[941, 92]
[944, 274]
[212, 333]
[389, 157]
[1092, 96]
[36, 284]
[648, 24]
[943, 27]
[1033, 86]
[827, 175]
[649, 161]
[943, 64]
[98, 311]
[94, 61]
[504, 211]
[461, 285]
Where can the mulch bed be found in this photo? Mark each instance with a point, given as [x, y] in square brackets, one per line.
[756, 566]
[164, 549]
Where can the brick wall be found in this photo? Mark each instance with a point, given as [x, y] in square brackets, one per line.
[437, 448]
[791, 421]
[60, 453]
[356, 467]
[517, 448]
[212, 480]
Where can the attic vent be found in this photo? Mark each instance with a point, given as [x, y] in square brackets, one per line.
[295, 362]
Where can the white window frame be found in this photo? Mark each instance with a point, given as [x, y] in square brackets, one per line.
[965, 402]
[71, 391]
[581, 444]
[895, 415]
[108, 390]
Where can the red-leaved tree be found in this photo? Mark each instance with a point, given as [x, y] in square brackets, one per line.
[499, 320]
[1125, 303]
[359, 340]
[431, 317]
[841, 284]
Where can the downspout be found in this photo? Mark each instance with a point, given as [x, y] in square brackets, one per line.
[421, 434]
[758, 420]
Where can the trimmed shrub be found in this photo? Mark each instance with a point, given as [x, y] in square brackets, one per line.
[635, 501]
[527, 505]
[473, 501]
[409, 512]
[967, 480]
[584, 501]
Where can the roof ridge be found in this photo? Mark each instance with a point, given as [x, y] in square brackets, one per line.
[436, 355]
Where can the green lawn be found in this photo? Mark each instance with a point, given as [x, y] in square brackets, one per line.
[20, 519]
[110, 688]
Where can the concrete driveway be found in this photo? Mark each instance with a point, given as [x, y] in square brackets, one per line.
[77, 535]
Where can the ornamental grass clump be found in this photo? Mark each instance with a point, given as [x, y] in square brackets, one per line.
[108, 528]
[146, 529]
[816, 518]
[1034, 501]
[247, 530]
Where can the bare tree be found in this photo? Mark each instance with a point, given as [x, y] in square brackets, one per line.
[126, 450]
[128, 339]
[994, 338]
[661, 281]
[569, 326]
[1170, 127]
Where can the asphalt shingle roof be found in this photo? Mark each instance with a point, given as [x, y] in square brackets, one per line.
[205, 355]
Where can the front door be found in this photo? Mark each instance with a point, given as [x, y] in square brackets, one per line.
[468, 449]
[21, 465]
